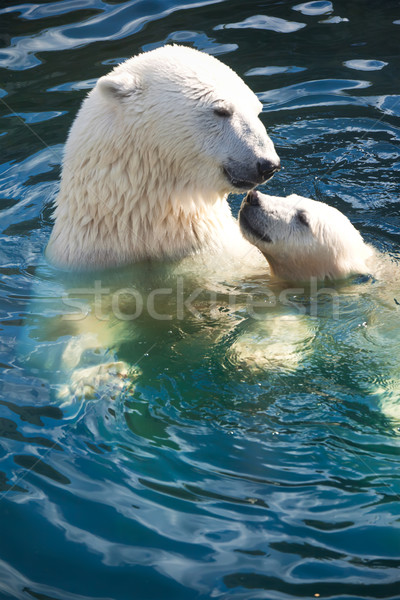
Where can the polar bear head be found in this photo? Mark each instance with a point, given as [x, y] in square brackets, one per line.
[188, 109]
[303, 238]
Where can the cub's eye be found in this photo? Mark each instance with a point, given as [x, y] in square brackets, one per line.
[222, 112]
[301, 216]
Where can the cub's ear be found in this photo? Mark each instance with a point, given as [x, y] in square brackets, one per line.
[115, 87]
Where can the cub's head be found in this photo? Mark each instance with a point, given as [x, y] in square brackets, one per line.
[183, 108]
[302, 238]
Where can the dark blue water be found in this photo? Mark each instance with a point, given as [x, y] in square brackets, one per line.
[212, 475]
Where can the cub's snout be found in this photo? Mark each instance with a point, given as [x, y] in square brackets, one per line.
[252, 198]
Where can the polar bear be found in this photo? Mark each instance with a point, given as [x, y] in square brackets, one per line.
[149, 161]
[303, 239]
[155, 149]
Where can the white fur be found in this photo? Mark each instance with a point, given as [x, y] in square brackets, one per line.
[143, 167]
[326, 246]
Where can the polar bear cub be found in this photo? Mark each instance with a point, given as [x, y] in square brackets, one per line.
[303, 238]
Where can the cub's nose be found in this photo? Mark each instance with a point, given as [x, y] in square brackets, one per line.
[252, 198]
[267, 168]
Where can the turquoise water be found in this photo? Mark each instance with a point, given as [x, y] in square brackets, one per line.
[249, 458]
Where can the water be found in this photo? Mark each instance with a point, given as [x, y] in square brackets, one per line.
[222, 471]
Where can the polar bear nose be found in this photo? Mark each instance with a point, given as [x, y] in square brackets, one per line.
[252, 198]
[267, 168]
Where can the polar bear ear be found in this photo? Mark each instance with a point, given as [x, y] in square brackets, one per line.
[116, 87]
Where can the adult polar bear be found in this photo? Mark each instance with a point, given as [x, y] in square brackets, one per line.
[150, 159]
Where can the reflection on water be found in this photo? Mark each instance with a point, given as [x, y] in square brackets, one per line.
[247, 454]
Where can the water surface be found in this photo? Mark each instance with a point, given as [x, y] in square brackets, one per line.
[217, 473]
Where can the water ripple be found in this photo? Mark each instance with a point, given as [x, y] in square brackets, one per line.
[316, 8]
[112, 23]
[264, 22]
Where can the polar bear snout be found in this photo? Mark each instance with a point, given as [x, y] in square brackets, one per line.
[252, 220]
[252, 198]
[245, 177]
[267, 168]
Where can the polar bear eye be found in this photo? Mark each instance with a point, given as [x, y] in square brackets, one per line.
[303, 218]
[221, 111]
